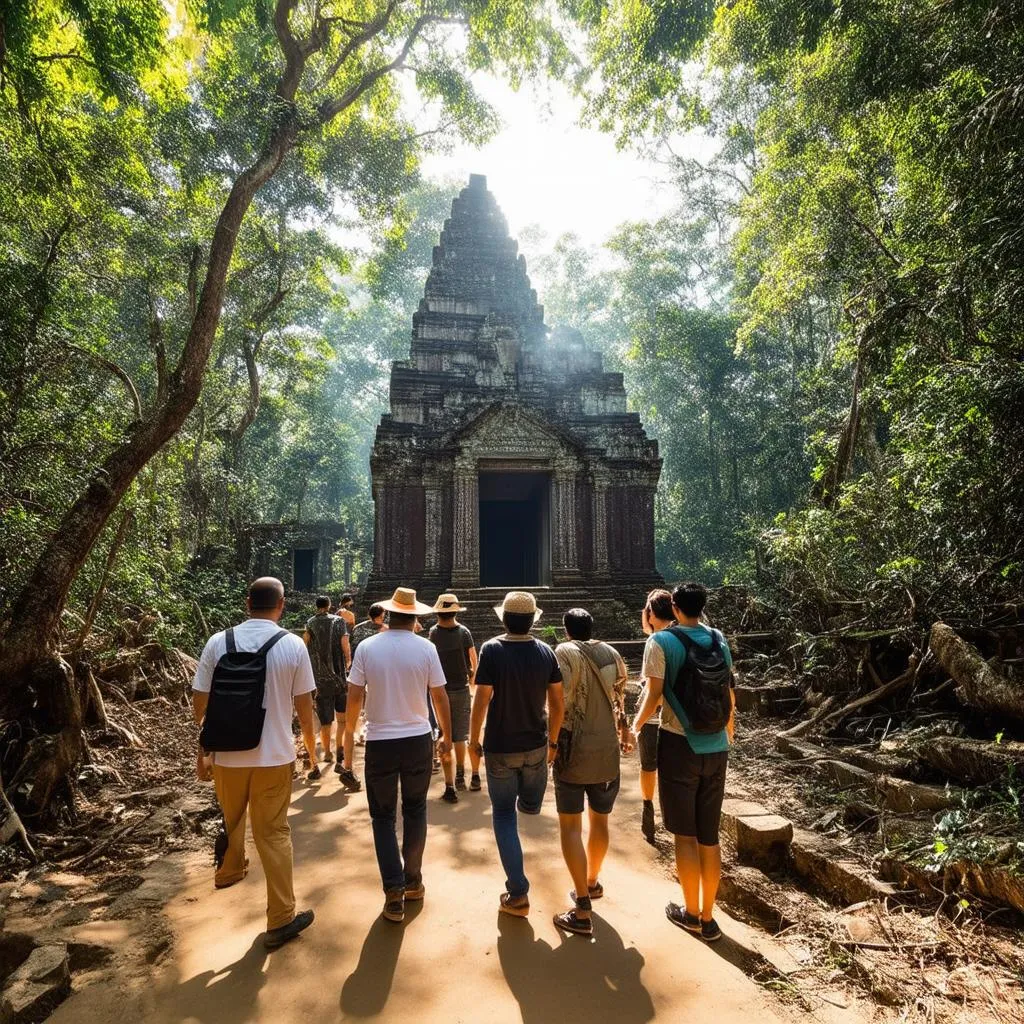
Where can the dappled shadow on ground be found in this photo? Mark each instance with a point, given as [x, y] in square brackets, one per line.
[579, 979]
[367, 988]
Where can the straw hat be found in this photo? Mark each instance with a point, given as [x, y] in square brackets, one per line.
[448, 604]
[404, 601]
[519, 602]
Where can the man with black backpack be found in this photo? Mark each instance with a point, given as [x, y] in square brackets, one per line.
[688, 668]
[247, 680]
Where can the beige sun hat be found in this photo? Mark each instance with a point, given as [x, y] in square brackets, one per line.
[448, 604]
[404, 601]
[518, 602]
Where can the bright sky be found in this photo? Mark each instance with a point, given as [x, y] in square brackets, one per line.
[545, 170]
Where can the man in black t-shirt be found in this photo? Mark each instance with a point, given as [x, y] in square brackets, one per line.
[455, 648]
[516, 677]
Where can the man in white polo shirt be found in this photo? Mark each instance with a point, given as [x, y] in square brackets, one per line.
[260, 780]
[395, 670]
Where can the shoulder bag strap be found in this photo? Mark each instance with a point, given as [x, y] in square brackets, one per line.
[273, 640]
[229, 640]
[592, 663]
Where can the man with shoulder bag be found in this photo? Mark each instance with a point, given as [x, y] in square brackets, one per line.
[586, 767]
[246, 682]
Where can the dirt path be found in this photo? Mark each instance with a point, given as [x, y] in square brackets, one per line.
[455, 958]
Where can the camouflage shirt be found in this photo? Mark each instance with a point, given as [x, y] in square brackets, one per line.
[325, 633]
[364, 629]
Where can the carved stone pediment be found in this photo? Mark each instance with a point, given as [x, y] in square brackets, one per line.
[507, 430]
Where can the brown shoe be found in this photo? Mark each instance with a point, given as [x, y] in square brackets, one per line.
[517, 906]
[394, 905]
[415, 892]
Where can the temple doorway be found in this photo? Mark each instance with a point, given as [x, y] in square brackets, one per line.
[515, 529]
[304, 576]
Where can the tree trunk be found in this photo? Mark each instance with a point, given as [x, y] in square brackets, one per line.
[979, 685]
[976, 762]
[35, 616]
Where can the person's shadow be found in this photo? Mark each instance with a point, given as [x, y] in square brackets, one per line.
[580, 979]
[367, 988]
[227, 996]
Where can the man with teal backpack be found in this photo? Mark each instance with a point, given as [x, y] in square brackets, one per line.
[689, 672]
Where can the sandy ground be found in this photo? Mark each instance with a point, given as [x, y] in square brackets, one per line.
[455, 958]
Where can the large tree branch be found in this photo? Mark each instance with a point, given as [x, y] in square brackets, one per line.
[360, 37]
[117, 371]
[330, 109]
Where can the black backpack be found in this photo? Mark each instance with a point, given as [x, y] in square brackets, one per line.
[235, 712]
[701, 686]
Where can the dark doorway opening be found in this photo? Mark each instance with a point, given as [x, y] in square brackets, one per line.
[304, 577]
[515, 542]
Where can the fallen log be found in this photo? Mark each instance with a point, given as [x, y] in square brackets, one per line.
[804, 727]
[833, 719]
[976, 762]
[979, 686]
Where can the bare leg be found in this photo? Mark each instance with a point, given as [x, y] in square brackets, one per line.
[597, 845]
[710, 876]
[570, 830]
[688, 869]
[448, 767]
[474, 761]
[460, 757]
[648, 784]
[325, 739]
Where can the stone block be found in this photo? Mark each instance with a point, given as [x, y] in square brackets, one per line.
[843, 774]
[907, 797]
[763, 839]
[40, 984]
[734, 808]
[824, 867]
[798, 750]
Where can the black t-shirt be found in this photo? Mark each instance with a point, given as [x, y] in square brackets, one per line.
[520, 672]
[453, 646]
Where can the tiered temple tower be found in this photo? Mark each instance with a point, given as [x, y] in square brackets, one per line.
[508, 458]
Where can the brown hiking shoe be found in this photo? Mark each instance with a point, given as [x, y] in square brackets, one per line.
[517, 906]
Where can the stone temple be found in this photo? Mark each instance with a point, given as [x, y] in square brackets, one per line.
[508, 459]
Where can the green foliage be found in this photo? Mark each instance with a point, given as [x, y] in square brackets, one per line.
[871, 233]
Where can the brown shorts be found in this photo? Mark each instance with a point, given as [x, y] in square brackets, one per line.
[691, 788]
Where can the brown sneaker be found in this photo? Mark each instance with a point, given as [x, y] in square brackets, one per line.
[517, 906]
[394, 905]
[415, 892]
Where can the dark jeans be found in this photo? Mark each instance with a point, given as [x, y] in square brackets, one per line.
[388, 763]
[515, 779]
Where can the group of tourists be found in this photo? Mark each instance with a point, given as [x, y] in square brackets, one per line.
[519, 708]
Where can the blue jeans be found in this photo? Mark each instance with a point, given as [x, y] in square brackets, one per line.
[515, 779]
[390, 764]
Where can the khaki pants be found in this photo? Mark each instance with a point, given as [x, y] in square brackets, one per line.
[266, 794]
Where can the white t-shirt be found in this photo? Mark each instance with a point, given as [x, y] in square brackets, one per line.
[289, 674]
[396, 666]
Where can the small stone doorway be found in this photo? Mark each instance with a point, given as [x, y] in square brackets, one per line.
[304, 576]
[515, 529]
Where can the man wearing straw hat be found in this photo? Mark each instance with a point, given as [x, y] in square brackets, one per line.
[516, 677]
[395, 670]
[454, 644]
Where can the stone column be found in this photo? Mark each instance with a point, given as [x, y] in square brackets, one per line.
[565, 557]
[599, 521]
[466, 532]
[348, 559]
[432, 515]
[378, 527]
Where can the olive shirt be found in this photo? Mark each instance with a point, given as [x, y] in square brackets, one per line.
[593, 695]
[664, 654]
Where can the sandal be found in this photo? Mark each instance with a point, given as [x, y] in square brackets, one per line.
[517, 906]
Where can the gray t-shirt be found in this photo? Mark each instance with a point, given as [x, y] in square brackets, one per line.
[453, 646]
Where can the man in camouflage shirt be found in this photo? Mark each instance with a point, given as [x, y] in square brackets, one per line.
[330, 652]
